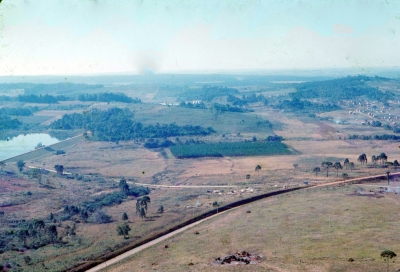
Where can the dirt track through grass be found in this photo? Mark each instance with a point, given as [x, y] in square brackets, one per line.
[168, 235]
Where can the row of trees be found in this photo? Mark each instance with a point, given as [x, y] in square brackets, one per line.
[362, 159]
[108, 97]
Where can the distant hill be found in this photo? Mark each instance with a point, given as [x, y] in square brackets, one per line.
[342, 88]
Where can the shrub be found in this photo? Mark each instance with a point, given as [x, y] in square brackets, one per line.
[100, 217]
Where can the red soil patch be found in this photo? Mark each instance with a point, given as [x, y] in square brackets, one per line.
[8, 184]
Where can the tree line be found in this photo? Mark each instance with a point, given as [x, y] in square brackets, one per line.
[116, 124]
[108, 97]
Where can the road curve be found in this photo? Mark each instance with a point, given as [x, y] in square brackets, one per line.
[168, 235]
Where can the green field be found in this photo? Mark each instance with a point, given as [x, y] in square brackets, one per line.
[230, 149]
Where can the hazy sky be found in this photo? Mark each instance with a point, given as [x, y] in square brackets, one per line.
[89, 37]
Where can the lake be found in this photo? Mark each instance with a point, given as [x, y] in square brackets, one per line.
[24, 143]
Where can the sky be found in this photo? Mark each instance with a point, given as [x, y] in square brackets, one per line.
[84, 37]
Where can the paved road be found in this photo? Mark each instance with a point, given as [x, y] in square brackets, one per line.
[164, 237]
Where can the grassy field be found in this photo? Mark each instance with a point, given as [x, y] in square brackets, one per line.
[313, 230]
[230, 149]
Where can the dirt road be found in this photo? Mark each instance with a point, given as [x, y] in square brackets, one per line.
[166, 236]
[149, 244]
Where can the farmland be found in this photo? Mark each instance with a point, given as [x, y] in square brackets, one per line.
[197, 148]
[231, 149]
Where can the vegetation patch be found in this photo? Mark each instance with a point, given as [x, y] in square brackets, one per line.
[230, 149]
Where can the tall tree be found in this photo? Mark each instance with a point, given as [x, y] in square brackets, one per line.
[388, 176]
[124, 216]
[383, 157]
[141, 204]
[258, 168]
[395, 164]
[20, 165]
[351, 165]
[374, 159]
[387, 255]
[326, 166]
[337, 166]
[316, 170]
[362, 159]
[346, 162]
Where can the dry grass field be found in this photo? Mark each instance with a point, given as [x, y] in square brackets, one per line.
[308, 230]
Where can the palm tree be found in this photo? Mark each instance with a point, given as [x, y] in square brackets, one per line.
[388, 255]
[337, 166]
[316, 170]
[326, 166]
[258, 168]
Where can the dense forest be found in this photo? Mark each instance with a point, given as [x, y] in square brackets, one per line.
[341, 88]
[18, 111]
[117, 124]
[222, 108]
[246, 99]
[296, 105]
[7, 123]
[108, 97]
[47, 99]
[207, 93]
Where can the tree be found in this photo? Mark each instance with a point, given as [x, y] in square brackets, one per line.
[124, 186]
[101, 217]
[295, 166]
[326, 166]
[351, 164]
[258, 168]
[316, 170]
[123, 229]
[345, 175]
[124, 216]
[142, 213]
[337, 166]
[388, 176]
[346, 163]
[59, 169]
[362, 159]
[160, 209]
[374, 159]
[395, 164]
[387, 255]
[20, 165]
[36, 173]
[383, 157]
[141, 206]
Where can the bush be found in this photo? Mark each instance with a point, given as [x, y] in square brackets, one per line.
[100, 217]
